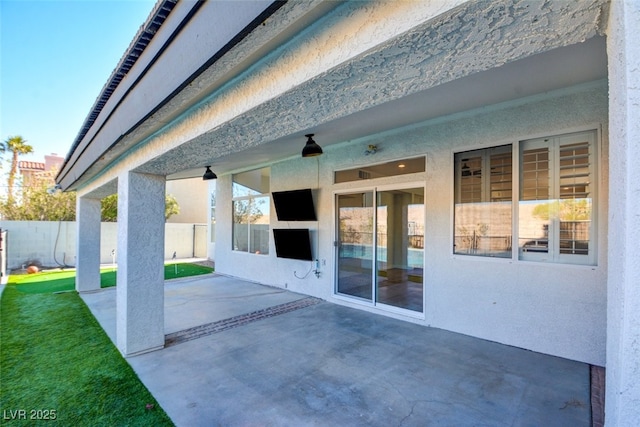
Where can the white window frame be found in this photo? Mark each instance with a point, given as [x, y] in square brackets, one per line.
[556, 257]
[212, 214]
[554, 143]
[485, 155]
[250, 198]
[383, 184]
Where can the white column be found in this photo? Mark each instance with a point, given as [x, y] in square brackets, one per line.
[622, 400]
[140, 278]
[88, 244]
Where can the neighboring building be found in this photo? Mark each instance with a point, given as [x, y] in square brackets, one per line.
[192, 196]
[32, 171]
[477, 174]
[53, 162]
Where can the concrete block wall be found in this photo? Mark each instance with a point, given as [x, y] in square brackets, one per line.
[53, 244]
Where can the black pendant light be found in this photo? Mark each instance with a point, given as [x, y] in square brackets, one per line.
[311, 149]
[208, 174]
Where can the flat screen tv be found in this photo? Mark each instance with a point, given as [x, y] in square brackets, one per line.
[292, 243]
[295, 205]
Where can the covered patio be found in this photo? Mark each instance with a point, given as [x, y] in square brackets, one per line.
[494, 142]
[240, 353]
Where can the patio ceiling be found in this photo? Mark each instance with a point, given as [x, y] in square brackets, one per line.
[538, 74]
[441, 68]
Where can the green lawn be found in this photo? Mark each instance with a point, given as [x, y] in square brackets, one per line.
[57, 362]
[59, 281]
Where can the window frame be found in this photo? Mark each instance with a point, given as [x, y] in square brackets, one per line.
[482, 158]
[594, 135]
[555, 142]
[212, 213]
[252, 197]
[363, 172]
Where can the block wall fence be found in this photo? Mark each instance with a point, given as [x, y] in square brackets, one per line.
[53, 243]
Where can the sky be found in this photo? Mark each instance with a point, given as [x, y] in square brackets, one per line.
[55, 58]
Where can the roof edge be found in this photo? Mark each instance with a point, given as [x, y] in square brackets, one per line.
[139, 43]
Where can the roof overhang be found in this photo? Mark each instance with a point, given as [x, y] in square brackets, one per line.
[440, 67]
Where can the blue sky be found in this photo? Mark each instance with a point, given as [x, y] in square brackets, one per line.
[55, 57]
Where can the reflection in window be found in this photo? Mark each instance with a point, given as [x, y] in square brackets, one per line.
[251, 211]
[355, 249]
[483, 183]
[400, 248]
[212, 206]
[556, 199]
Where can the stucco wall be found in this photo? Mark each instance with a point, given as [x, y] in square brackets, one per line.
[53, 244]
[192, 196]
[552, 308]
[623, 344]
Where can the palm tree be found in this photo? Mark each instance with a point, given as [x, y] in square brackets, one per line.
[17, 145]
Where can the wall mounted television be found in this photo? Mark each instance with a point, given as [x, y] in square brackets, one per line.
[295, 205]
[293, 243]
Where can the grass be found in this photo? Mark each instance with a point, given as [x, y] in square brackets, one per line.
[57, 362]
[60, 281]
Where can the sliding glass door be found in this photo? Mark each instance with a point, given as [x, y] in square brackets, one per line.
[400, 248]
[381, 250]
[355, 244]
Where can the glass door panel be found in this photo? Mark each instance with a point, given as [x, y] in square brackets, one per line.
[400, 248]
[355, 244]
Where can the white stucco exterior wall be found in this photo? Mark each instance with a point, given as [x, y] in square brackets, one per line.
[623, 317]
[192, 196]
[556, 309]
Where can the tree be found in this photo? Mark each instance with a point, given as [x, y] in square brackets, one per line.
[565, 210]
[40, 203]
[247, 211]
[171, 207]
[109, 208]
[17, 145]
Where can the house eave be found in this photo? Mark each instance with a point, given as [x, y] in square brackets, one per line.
[88, 155]
[320, 102]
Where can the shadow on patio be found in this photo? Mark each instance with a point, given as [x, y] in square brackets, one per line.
[242, 354]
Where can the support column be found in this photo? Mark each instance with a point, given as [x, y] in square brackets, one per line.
[140, 278]
[88, 244]
[622, 400]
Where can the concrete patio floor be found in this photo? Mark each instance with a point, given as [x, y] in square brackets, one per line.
[269, 357]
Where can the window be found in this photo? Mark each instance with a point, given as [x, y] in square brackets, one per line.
[483, 206]
[212, 206]
[251, 211]
[394, 168]
[555, 193]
